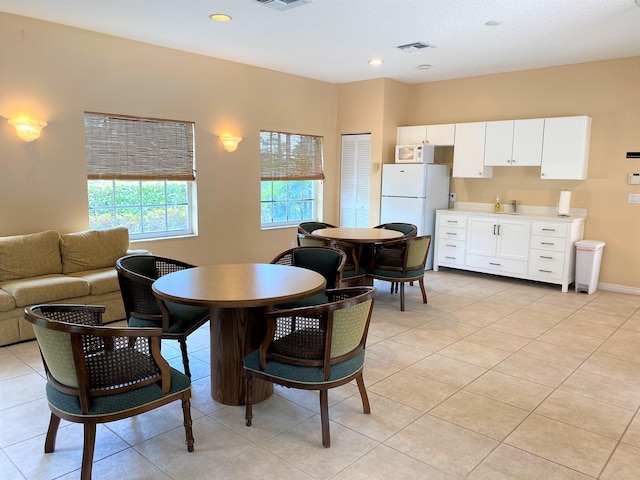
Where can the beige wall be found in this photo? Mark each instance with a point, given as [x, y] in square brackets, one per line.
[607, 91]
[55, 73]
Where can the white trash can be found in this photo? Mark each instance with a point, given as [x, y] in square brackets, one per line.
[588, 259]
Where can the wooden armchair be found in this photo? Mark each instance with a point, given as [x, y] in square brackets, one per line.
[136, 274]
[98, 374]
[315, 348]
[401, 261]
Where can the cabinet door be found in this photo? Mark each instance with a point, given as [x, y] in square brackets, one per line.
[441, 134]
[527, 142]
[481, 236]
[499, 143]
[513, 239]
[565, 148]
[468, 151]
[412, 135]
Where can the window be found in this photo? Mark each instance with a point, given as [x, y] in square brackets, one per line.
[291, 175]
[139, 174]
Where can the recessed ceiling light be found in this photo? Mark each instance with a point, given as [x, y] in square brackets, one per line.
[424, 66]
[492, 23]
[375, 62]
[220, 17]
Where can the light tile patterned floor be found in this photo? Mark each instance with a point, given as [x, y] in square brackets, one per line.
[492, 379]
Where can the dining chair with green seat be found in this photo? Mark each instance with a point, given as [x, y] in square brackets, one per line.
[136, 274]
[98, 374]
[309, 227]
[401, 261]
[327, 261]
[315, 348]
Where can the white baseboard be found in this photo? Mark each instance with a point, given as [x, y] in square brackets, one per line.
[612, 287]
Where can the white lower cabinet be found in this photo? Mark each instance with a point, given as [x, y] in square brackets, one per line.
[499, 244]
[529, 248]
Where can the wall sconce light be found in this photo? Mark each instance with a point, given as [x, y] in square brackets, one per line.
[27, 129]
[230, 143]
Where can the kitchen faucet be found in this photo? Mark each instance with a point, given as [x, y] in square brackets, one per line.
[513, 206]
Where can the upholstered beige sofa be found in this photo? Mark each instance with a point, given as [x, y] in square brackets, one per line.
[49, 267]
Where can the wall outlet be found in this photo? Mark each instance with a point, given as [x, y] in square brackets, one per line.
[634, 198]
[452, 197]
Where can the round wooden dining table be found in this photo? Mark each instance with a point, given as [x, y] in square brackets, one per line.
[237, 296]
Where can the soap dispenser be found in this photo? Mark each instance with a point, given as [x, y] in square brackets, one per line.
[497, 207]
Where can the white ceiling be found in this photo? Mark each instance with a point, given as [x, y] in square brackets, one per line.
[332, 40]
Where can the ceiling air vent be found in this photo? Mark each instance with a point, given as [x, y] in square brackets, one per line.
[282, 4]
[414, 47]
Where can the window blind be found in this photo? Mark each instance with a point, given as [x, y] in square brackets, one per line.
[131, 148]
[288, 156]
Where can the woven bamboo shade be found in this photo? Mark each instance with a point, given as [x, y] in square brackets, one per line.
[132, 148]
[287, 156]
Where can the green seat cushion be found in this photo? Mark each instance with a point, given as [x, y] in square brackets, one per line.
[306, 375]
[112, 404]
[183, 317]
[352, 273]
[411, 274]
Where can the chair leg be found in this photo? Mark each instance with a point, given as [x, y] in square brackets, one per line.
[186, 415]
[363, 393]
[401, 296]
[424, 292]
[87, 452]
[249, 400]
[52, 432]
[185, 357]
[324, 418]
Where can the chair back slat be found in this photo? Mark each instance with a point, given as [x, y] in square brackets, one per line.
[327, 261]
[309, 227]
[57, 355]
[417, 252]
[349, 328]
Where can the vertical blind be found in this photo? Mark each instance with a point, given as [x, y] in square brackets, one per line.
[120, 147]
[288, 156]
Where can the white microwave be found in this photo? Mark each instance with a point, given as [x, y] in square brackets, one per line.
[414, 154]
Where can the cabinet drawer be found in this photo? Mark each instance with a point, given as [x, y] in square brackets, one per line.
[554, 244]
[497, 264]
[451, 252]
[457, 221]
[549, 229]
[452, 233]
[546, 264]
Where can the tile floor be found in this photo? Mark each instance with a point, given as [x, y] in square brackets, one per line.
[492, 379]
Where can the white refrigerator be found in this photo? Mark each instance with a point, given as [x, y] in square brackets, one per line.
[411, 193]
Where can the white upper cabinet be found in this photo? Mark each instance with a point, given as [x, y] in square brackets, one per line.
[515, 143]
[412, 135]
[443, 134]
[468, 151]
[432, 134]
[565, 149]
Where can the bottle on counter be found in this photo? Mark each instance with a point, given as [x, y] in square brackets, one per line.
[497, 207]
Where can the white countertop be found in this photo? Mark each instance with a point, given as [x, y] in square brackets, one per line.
[529, 212]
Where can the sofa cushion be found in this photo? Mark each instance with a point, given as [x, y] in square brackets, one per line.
[104, 280]
[92, 249]
[7, 302]
[46, 288]
[24, 256]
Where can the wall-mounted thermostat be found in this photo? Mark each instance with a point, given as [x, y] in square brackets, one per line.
[634, 179]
